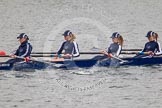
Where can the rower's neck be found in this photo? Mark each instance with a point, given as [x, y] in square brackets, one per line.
[152, 41]
[24, 42]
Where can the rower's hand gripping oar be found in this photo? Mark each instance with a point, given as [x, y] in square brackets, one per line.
[121, 60]
[3, 54]
[112, 56]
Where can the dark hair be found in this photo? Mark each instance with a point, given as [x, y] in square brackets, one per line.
[121, 41]
[156, 36]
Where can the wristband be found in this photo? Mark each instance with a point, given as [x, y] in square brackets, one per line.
[59, 55]
[141, 53]
[52, 55]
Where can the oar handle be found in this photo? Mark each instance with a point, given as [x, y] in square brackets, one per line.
[85, 52]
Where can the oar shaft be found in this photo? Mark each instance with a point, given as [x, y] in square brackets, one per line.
[131, 49]
[129, 52]
[45, 53]
[88, 53]
[119, 59]
[4, 56]
[53, 55]
[84, 52]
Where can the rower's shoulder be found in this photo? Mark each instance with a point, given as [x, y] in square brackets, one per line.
[115, 44]
[74, 42]
[158, 43]
[64, 42]
[112, 44]
[150, 42]
[28, 43]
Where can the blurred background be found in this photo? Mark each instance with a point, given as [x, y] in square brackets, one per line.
[93, 22]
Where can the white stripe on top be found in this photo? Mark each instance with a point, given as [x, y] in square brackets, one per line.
[160, 51]
[27, 50]
[119, 50]
[76, 49]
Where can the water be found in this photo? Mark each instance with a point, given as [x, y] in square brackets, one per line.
[106, 87]
[93, 22]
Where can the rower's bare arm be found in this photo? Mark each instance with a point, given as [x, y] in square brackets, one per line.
[147, 53]
[13, 56]
[67, 55]
[104, 52]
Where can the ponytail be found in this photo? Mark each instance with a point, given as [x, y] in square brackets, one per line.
[156, 36]
[120, 40]
[73, 37]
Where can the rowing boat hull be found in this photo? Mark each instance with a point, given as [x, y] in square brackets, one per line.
[142, 61]
[23, 66]
[87, 63]
[81, 63]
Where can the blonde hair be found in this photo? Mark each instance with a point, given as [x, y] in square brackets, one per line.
[120, 40]
[73, 37]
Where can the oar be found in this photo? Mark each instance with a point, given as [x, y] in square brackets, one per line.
[31, 59]
[122, 61]
[122, 49]
[54, 55]
[51, 53]
[117, 58]
[129, 52]
[131, 49]
[3, 54]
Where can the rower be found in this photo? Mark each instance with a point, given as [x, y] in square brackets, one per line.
[113, 52]
[70, 47]
[115, 48]
[152, 47]
[23, 51]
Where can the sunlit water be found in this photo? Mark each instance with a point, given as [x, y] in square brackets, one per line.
[93, 22]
